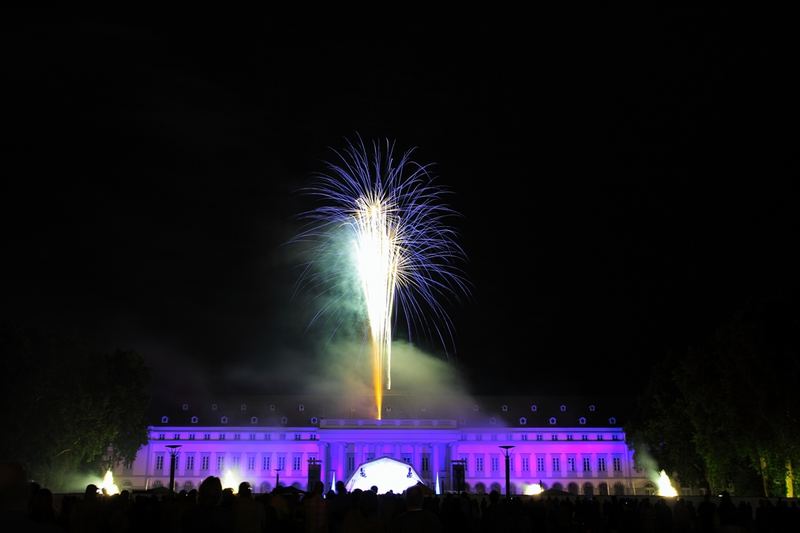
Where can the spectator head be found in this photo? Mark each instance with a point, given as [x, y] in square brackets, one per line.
[340, 488]
[210, 491]
[414, 498]
[91, 492]
[245, 491]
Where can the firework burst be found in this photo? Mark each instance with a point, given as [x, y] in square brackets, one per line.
[399, 245]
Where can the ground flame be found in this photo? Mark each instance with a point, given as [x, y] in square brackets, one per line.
[665, 487]
[108, 484]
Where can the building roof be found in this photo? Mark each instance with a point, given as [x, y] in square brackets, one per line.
[308, 410]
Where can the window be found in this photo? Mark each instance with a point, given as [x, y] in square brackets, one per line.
[204, 460]
[523, 421]
[222, 436]
[267, 436]
[614, 437]
[587, 464]
[265, 461]
[553, 437]
[243, 407]
[426, 462]
[284, 420]
[525, 464]
[165, 420]
[539, 436]
[584, 437]
[599, 437]
[524, 436]
[224, 419]
[556, 464]
[479, 464]
[236, 462]
[237, 436]
[252, 436]
[298, 436]
[534, 408]
[592, 408]
[272, 407]
[301, 407]
[351, 462]
[495, 463]
[617, 464]
[161, 436]
[251, 462]
[504, 408]
[570, 464]
[213, 407]
[563, 408]
[552, 421]
[540, 464]
[189, 463]
[185, 407]
[582, 421]
[601, 464]
[406, 457]
[569, 436]
[281, 462]
[254, 420]
[370, 456]
[612, 421]
[191, 436]
[314, 420]
[159, 462]
[176, 436]
[220, 462]
[206, 436]
[194, 420]
[493, 421]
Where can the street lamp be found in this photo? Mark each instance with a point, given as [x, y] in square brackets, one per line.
[508, 470]
[278, 477]
[173, 455]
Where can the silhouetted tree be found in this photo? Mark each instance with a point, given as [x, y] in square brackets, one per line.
[67, 409]
[731, 404]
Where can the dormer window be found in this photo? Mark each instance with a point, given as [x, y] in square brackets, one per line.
[254, 420]
[165, 420]
[582, 421]
[504, 408]
[224, 420]
[243, 407]
[523, 421]
[194, 420]
[552, 421]
[213, 407]
[534, 408]
[185, 407]
[563, 408]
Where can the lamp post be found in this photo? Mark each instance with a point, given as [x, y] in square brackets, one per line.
[173, 455]
[278, 477]
[508, 470]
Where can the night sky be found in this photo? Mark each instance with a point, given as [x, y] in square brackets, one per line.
[623, 183]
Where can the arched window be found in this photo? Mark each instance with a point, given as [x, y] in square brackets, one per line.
[165, 420]
[552, 420]
[194, 420]
[534, 408]
[523, 421]
[612, 420]
[301, 407]
[314, 420]
[592, 409]
[582, 421]
[563, 408]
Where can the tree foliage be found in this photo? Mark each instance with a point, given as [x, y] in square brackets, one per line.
[67, 409]
[725, 415]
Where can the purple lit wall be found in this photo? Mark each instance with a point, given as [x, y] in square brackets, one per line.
[581, 459]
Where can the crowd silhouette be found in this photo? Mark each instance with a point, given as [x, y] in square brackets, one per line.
[25, 506]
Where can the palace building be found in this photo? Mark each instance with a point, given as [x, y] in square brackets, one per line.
[572, 444]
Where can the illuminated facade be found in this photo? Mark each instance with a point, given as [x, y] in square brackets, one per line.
[570, 444]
